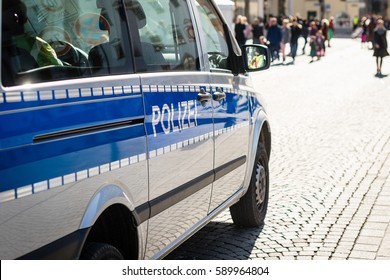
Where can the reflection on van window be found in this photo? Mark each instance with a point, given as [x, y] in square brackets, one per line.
[216, 44]
[165, 33]
[64, 39]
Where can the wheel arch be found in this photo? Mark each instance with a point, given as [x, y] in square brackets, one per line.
[265, 137]
[260, 132]
[111, 218]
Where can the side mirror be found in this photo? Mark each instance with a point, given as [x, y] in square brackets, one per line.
[256, 57]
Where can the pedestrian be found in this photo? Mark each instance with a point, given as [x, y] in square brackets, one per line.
[370, 35]
[330, 30]
[274, 37]
[364, 35]
[380, 45]
[247, 29]
[317, 45]
[355, 22]
[286, 36]
[313, 28]
[239, 28]
[320, 44]
[325, 32]
[318, 23]
[296, 31]
[257, 30]
[299, 18]
[304, 34]
[312, 48]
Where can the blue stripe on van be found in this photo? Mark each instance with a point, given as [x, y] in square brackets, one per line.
[44, 161]
[19, 128]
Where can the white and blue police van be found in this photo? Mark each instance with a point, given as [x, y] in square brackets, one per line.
[125, 127]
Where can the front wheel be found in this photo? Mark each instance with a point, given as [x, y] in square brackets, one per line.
[251, 209]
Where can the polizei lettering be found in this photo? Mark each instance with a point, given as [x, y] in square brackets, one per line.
[175, 116]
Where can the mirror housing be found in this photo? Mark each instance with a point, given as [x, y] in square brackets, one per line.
[256, 57]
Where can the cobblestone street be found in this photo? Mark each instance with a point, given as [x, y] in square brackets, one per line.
[329, 166]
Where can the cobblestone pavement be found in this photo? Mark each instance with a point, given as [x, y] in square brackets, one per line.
[330, 165]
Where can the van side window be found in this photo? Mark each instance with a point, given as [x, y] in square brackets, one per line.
[216, 45]
[162, 35]
[63, 39]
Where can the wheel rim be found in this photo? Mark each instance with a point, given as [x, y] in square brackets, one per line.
[261, 185]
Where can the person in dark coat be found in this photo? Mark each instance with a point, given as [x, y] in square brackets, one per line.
[380, 45]
[371, 26]
[239, 30]
[274, 37]
[325, 31]
[331, 30]
[296, 31]
[305, 34]
[257, 30]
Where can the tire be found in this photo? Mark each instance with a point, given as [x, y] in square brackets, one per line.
[251, 209]
[100, 251]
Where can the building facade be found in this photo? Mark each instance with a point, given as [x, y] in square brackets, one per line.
[342, 10]
[381, 7]
[255, 8]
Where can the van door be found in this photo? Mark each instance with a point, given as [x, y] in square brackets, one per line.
[179, 123]
[230, 105]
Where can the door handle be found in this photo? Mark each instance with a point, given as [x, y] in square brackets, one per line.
[204, 96]
[220, 95]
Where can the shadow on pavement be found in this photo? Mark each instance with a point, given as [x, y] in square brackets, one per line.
[218, 241]
[381, 76]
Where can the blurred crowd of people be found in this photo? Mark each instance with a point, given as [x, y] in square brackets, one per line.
[364, 27]
[277, 33]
